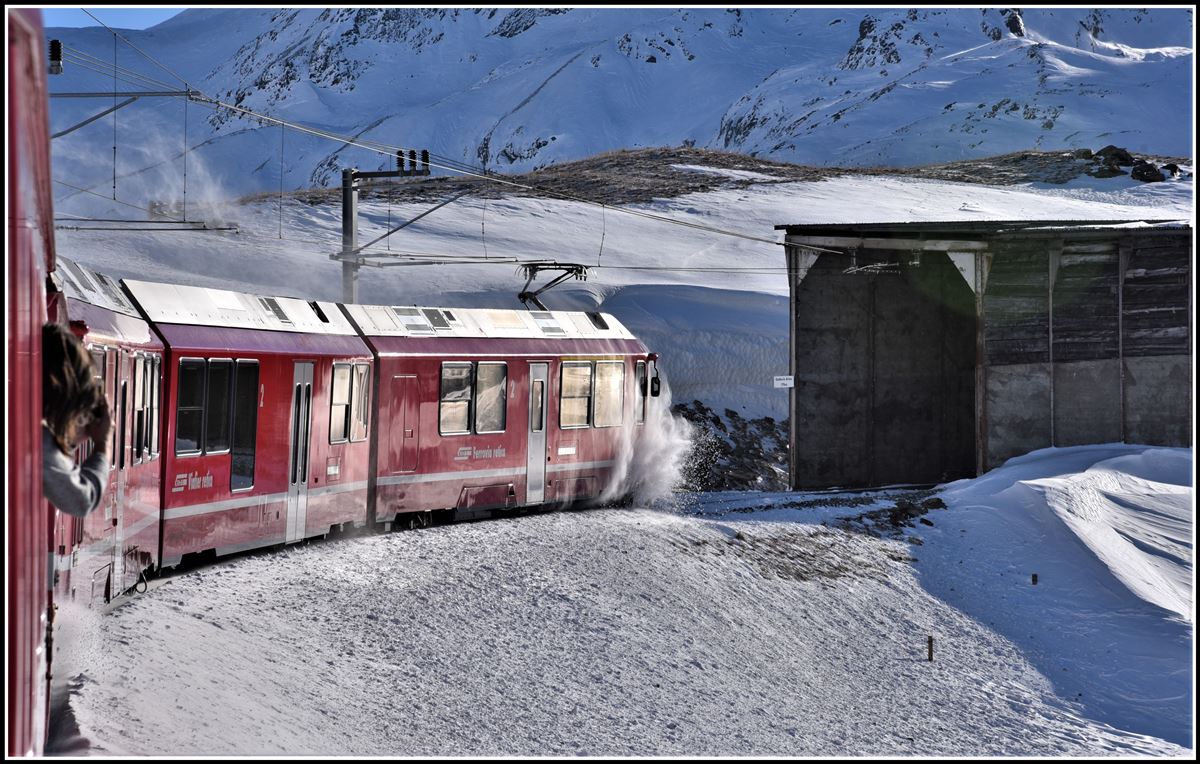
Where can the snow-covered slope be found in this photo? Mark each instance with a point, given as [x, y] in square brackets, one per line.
[516, 89]
[769, 625]
[1108, 530]
[714, 306]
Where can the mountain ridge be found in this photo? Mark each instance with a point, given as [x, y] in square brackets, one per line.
[515, 90]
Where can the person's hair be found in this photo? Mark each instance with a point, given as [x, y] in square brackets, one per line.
[68, 390]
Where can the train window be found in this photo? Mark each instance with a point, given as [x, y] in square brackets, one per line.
[639, 393]
[97, 355]
[361, 392]
[610, 393]
[245, 425]
[576, 395]
[216, 426]
[339, 404]
[139, 411]
[454, 406]
[189, 414]
[112, 360]
[155, 396]
[537, 415]
[123, 408]
[491, 397]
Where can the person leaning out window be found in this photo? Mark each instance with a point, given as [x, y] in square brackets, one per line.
[73, 409]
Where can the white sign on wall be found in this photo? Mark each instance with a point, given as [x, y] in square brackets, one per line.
[786, 381]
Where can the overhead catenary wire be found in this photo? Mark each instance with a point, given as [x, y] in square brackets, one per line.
[436, 160]
[139, 50]
[391, 151]
[78, 55]
[118, 201]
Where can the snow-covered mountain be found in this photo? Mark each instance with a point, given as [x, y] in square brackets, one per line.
[517, 89]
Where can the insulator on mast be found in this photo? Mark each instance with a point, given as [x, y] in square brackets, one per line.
[56, 57]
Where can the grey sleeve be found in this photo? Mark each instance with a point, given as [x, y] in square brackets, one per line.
[74, 490]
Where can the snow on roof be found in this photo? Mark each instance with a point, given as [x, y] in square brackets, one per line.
[86, 285]
[988, 226]
[179, 304]
[419, 321]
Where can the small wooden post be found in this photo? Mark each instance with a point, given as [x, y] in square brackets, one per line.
[930, 649]
[1035, 579]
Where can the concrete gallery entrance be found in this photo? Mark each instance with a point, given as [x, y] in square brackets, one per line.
[926, 352]
[885, 371]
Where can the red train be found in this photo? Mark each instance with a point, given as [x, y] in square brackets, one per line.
[244, 421]
[30, 258]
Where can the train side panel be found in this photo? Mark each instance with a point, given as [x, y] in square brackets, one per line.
[106, 552]
[426, 462]
[30, 258]
[273, 476]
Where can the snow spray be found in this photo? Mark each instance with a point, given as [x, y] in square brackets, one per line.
[651, 456]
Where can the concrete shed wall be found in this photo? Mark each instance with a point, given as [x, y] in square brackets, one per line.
[1079, 337]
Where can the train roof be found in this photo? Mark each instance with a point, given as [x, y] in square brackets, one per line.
[193, 305]
[422, 321]
[86, 285]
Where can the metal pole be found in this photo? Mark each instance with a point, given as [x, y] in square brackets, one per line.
[791, 253]
[1123, 251]
[349, 237]
[981, 423]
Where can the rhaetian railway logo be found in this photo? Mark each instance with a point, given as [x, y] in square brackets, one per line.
[470, 452]
[189, 481]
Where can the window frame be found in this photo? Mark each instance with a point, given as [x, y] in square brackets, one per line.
[596, 393]
[94, 349]
[349, 404]
[475, 399]
[360, 402]
[562, 376]
[470, 398]
[237, 365]
[155, 405]
[641, 380]
[228, 406]
[203, 364]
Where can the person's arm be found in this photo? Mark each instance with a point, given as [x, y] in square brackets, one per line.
[74, 490]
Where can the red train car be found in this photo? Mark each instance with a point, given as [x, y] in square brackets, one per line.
[105, 553]
[478, 410]
[264, 418]
[30, 258]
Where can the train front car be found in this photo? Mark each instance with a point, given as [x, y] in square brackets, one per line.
[265, 426]
[105, 553]
[480, 410]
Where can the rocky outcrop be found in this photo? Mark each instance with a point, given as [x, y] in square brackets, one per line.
[1116, 156]
[1110, 159]
[1146, 172]
[730, 452]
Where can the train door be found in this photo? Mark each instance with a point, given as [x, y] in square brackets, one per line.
[535, 469]
[405, 432]
[102, 562]
[121, 458]
[297, 510]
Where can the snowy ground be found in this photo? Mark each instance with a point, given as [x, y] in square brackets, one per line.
[730, 624]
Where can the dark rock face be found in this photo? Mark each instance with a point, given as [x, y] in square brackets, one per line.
[1013, 20]
[1083, 154]
[732, 452]
[1106, 171]
[1146, 172]
[1114, 155]
[1171, 168]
